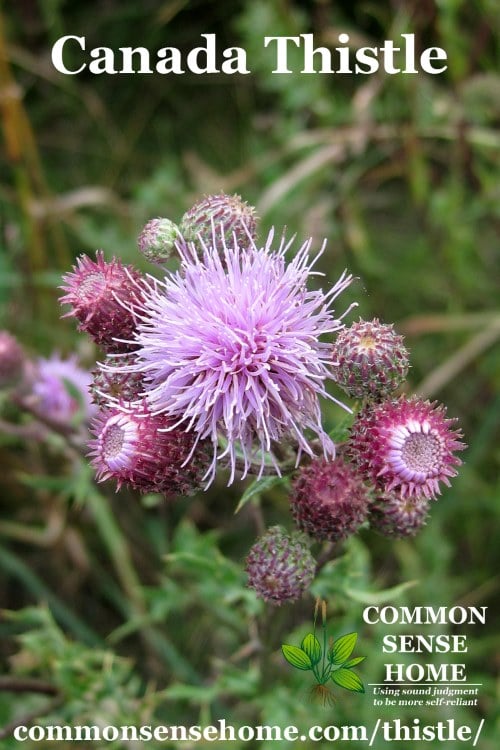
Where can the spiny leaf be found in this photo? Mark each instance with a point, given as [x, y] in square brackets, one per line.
[312, 647]
[348, 680]
[342, 648]
[296, 657]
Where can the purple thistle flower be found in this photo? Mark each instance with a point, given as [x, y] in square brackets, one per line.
[231, 346]
[54, 380]
[103, 297]
[134, 447]
[406, 445]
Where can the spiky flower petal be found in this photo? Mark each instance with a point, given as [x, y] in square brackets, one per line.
[279, 566]
[137, 448]
[329, 499]
[157, 240]
[60, 389]
[369, 359]
[232, 347]
[406, 445]
[395, 516]
[12, 360]
[103, 297]
[221, 213]
[111, 384]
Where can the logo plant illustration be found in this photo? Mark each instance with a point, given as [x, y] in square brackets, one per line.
[329, 662]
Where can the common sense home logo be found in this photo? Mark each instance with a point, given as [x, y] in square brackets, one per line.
[330, 661]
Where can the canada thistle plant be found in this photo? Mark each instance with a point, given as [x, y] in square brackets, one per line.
[225, 362]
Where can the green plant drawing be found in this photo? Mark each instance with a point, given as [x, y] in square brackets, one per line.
[330, 662]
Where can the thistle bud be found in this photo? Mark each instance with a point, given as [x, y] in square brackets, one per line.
[104, 297]
[134, 447]
[12, 360]
[369, 359]
[395, 516]
[111, 383]
[223, 214]
[329, 500]
[157, 240]
[279, 566]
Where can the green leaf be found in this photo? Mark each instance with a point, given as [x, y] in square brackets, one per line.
[378, 597]
[348, 680]
[39, 481]
[353, 662]
[342, 648]
[312, 647]
[296, 657]
[258, 487]
[340, 432]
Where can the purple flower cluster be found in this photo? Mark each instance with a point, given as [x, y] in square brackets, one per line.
[232, 348]
[225, 362]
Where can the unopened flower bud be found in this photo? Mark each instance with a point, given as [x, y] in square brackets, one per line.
[395, 516]
[226, 215]
[103, 298]
[157, 240]
[279, 566]
[111, 383]
[369, 359]
[329, 500]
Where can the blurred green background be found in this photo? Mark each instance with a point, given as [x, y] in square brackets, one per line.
[401, 174]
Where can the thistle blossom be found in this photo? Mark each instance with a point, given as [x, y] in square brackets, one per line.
[133, 447]
[231, 346]
[407, 445]
[61, 389]
[103, 297]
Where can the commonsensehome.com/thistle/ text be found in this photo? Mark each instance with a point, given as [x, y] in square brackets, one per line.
[395, 730]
